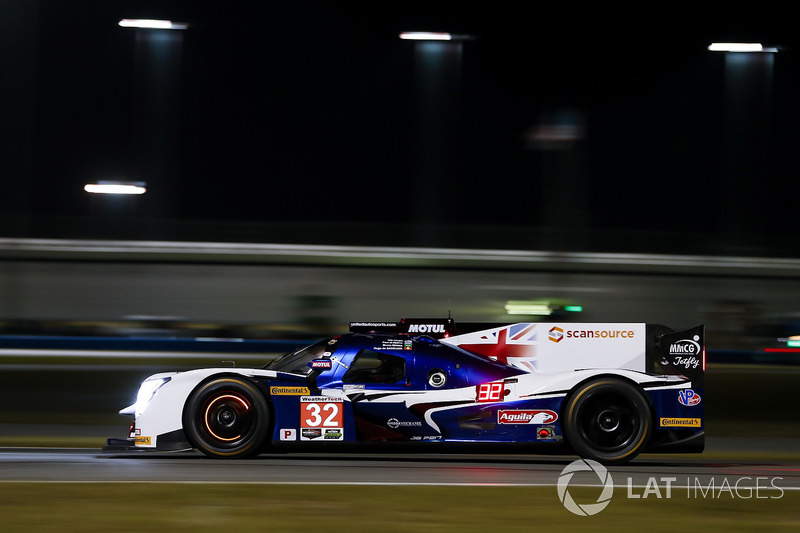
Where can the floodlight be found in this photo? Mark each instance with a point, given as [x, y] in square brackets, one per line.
[153, 24]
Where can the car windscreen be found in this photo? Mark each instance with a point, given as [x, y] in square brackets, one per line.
[297, 362]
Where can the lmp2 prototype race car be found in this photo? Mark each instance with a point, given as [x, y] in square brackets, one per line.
[603, 391]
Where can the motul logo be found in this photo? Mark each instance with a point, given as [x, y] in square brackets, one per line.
[426, 328]
[526, 416]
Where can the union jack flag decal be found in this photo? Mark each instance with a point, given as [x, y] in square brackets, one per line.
[511, 345]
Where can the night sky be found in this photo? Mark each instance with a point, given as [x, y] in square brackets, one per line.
[287, 112]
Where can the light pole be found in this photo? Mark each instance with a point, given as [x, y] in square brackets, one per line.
[437, 79]
[159, 45]
[746, 139]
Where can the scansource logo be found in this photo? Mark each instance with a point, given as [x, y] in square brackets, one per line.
[587, 509]
[556, 334]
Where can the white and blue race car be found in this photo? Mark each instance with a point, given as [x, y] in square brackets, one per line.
[604, 391]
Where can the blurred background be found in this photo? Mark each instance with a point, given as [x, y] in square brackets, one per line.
[300, 165]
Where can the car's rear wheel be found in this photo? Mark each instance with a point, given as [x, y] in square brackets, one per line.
[227, 417]
[608, 420]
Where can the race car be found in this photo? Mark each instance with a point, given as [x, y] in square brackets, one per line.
[603, 391]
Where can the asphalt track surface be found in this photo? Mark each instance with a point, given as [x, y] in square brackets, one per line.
[678, 472]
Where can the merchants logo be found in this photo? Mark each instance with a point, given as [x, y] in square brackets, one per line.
[587, 509]
[556, 334]
[395, 423]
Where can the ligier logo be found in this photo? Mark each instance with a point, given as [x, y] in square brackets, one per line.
[586, 509]
[556, 334]
[526, 416]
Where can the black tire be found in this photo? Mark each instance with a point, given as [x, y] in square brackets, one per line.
[608, 420]
[227, 418]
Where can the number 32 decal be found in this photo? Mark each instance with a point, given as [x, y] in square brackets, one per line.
[321, 417]
[327, 415]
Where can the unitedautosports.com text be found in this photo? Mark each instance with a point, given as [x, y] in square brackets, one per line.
[745, 488]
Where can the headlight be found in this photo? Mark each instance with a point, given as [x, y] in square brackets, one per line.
[146, 392]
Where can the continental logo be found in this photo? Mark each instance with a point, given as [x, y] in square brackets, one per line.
[143, 441]
[557, 334]
[679, 422]
[289, 391]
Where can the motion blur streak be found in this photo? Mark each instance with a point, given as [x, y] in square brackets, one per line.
[282, 291]
[394, 256]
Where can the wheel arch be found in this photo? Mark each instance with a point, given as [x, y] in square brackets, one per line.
[260, 387]
[607, 375]
[611, 377]
[221, 375]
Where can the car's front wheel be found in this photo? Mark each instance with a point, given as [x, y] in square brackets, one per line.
[227, 418]
[608, 420]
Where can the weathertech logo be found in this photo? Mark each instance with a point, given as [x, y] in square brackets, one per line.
[556, 334]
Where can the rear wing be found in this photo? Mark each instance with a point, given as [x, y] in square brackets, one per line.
[681, 353]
